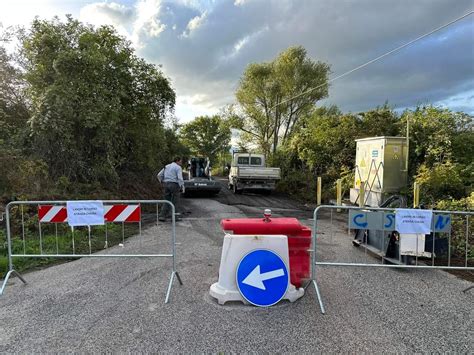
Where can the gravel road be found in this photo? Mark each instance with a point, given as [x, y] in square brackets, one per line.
[117, 305]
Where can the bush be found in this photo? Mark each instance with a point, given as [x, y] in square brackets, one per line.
[458, 224]
[442, 181]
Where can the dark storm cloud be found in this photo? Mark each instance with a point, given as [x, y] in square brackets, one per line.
[205, 50]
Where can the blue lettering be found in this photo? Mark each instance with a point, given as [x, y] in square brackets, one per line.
[359, 224]
[390, 218]
[441, 223]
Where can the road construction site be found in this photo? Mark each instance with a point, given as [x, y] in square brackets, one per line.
[100, 305]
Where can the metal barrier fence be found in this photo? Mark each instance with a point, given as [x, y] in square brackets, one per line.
[374, 231]
[36, 216]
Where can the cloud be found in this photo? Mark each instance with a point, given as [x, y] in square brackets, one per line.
[240, 2]
[109, 13]
[147, 25]
[194, 24]
[227, 36]
[98, 13]
[21, 12]
[242, 43]
[205, 45]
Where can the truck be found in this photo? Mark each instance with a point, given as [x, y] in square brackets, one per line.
[248, 172]
[198, 177]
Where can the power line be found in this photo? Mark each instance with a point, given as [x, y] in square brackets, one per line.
[378, 58]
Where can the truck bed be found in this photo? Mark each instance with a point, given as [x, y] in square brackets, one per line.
[248, 172]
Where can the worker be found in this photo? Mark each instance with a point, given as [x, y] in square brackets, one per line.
[171, 176]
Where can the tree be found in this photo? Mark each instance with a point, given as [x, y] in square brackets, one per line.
[381, 121]
[206, 136]
[14, 111]
[97, 109]
[440, 152]
[438, 135]
[326, 142]
[14, 114]
[274, 96]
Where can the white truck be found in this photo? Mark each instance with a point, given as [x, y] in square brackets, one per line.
[248, 172]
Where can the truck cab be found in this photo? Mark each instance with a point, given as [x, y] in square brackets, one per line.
[248, 172]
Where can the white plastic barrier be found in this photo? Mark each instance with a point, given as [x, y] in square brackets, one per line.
[234, 249]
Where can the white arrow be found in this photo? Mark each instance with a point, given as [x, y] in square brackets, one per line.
[255, 278]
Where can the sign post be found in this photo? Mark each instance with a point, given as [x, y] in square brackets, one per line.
[318, 191]
[339, 193]
[416, 194]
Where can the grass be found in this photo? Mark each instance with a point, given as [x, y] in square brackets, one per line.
[58, 240]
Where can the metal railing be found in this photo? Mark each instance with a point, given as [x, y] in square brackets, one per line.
[32, 230]
[450, 230]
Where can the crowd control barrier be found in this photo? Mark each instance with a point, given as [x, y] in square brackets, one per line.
[401, 238]
[45, 225]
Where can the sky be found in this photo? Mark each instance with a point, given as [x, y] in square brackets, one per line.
[204, 46]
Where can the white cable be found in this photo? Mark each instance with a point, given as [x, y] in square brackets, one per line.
[376, 59]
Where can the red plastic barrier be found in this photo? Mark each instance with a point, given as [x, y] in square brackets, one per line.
[299, 240]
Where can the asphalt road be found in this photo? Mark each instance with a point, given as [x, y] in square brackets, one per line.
[117, 305]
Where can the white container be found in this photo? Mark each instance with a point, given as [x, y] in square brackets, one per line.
[235, 247]
[413, 245]
[381, 164]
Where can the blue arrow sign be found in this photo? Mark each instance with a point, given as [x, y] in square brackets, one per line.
[262, 278]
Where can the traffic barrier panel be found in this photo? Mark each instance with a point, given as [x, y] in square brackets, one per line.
[401, 238]
[56, 213]
[112, 213]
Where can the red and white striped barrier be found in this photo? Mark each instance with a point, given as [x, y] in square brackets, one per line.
[122, 213]
[52, 214]
[112, 213]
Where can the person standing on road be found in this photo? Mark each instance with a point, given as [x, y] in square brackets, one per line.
[171, 176]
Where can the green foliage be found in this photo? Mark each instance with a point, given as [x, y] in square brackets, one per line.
[347, 177]
[382, 121]
[463, 204]
[441, 146]
[459, 224]
[462, 144]
[13, 122]
[326, 140]
[441, 151]
[326, 143]
[274, 96]
[433, 134]
[206, 136]
[97, 109]
[84, 117]
[440, 181]
[60, 243]
[13, 105]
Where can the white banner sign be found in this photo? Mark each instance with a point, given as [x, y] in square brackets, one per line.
[85, 213]
[413, 221]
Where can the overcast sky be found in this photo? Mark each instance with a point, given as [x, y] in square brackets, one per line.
[204, 46]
